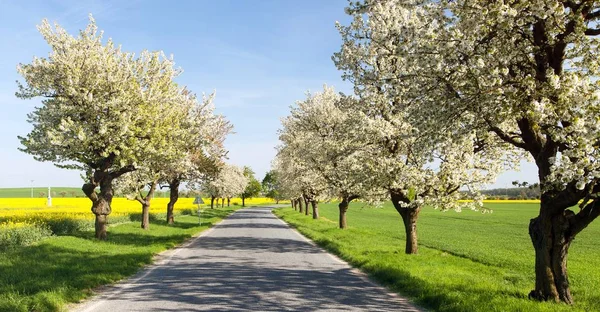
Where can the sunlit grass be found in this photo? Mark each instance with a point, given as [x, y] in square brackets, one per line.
[467, 261]
[62, 269]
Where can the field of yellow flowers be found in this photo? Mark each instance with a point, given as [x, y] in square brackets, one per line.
[25, 220]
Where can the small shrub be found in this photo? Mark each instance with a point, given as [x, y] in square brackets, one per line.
[21, 234]
[69, 226]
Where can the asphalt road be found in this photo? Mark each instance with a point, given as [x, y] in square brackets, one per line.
[252, 261]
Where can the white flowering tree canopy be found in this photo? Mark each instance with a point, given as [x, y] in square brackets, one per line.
[201, 142]
[101, 105]
[229, 182]
[322, 137]
[523, 72]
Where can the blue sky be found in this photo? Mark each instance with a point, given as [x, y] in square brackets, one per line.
[259, 56]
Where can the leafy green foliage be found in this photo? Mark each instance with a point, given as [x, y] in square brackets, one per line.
[14, 236]
[270, 185]
[253, 187]
[487, 268]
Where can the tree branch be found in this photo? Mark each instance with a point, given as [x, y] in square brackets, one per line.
[582, 219]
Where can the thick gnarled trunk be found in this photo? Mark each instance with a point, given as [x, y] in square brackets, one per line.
[101, 205]
[293, 202]
[173, 197]
[300, 205]
[551, 237]
[101, 202]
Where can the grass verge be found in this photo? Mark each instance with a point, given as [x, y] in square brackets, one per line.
[62, 269]
[467, 261]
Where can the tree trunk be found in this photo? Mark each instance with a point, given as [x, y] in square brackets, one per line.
[551, 241]
[228, 201]
[243, 201]
[145, 201]
[100, 202]
[222, 202]
[277, 201]
[212, 201]
[146, 216]
[173, 197]
[300, 205]
[293, 202]
[100, 227]
[409, 216]
[306, 202]
[343, 206]
[315, 209]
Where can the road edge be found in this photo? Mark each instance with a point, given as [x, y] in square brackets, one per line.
[362, 275]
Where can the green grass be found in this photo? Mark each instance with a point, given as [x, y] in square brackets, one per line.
[467, 261]
[25, 192]
[62, 269]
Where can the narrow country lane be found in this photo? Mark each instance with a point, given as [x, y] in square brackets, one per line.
[252, 261]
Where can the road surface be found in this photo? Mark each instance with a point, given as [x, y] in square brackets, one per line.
[252, 261]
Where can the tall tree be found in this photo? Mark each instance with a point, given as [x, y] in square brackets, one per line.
[271, 186]
[228, 182]
[526, 73]
[99, 109]
[416, 161]
[321, 135]
[253, 187]
[202, 146]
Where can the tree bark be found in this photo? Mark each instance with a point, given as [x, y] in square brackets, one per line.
[315, 209]
[306, 202]
[146, 216]
[243, 201]
[551, 237]
[409, 216]
[228, 201]
[145, 201]
[101, 201]
[212, 201]
[343, 207]
[293, 202]
[100, 226]
[173, 197]
[300, 205]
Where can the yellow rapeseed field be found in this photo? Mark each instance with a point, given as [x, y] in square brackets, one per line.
[18, 211]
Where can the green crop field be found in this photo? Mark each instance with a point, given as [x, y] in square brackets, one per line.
[467, 261]
[26, 192]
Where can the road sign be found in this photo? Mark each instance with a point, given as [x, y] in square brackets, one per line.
[198, 201]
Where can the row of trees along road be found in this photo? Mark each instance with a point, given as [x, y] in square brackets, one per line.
[118, 117]
[446, 95]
